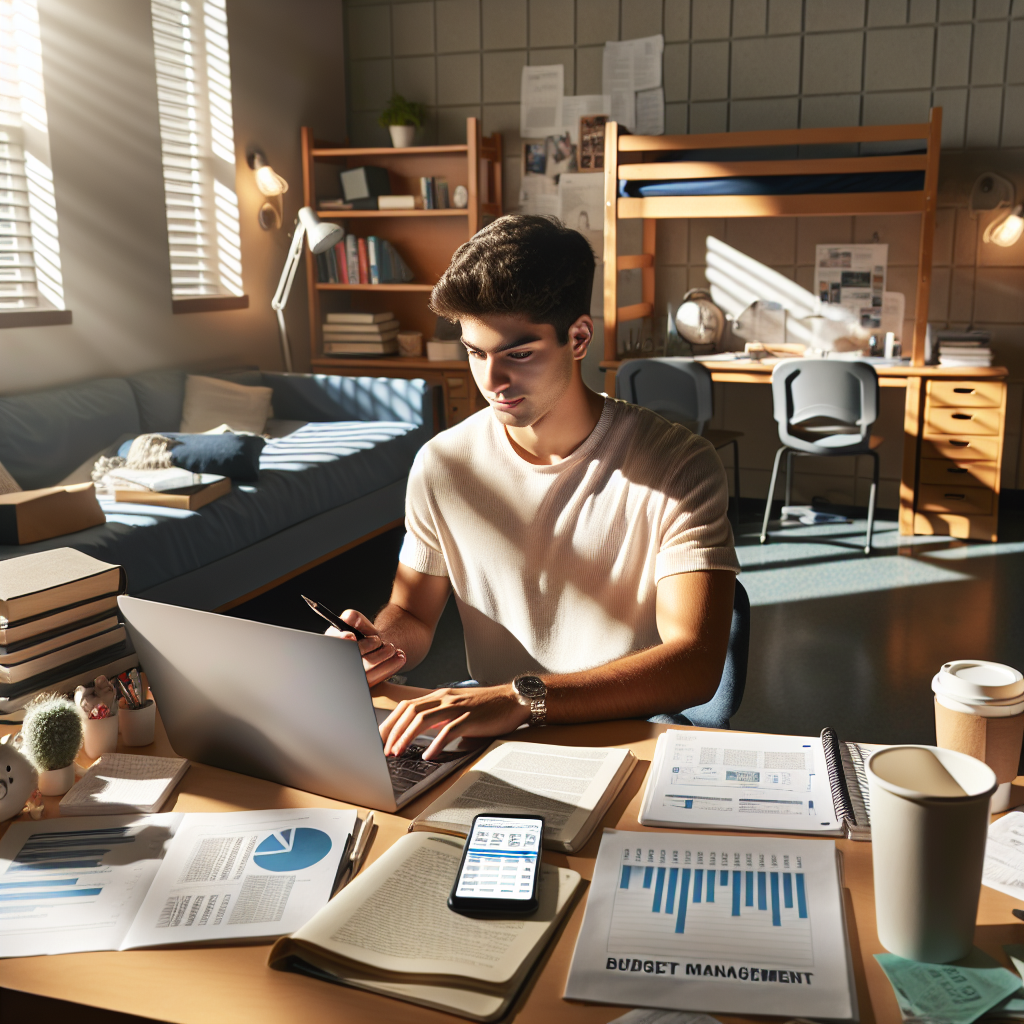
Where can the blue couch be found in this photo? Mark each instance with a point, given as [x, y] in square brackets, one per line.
[327, 484]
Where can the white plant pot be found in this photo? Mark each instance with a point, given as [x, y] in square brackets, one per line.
[58, 781]
[402, 135]
[100, 735]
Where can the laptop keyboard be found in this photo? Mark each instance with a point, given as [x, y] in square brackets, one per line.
[409, 769]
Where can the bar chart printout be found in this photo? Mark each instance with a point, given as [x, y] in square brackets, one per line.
[715, 923]
[65, 888]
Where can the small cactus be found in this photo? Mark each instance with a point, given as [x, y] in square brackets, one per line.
[52, 732]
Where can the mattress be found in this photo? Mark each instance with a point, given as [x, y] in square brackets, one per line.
[779, 185]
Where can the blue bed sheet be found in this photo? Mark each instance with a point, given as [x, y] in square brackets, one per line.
[779, 185]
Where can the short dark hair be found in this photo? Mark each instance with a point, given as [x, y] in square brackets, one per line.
[520, 265]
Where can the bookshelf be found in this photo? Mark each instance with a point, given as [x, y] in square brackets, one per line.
[426, 240]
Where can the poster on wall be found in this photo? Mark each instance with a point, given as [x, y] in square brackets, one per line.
[852, 276]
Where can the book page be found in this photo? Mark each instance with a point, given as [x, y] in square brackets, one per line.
[720, 924]
[243, 875]
[75, 886]
[394, 917]
[739, 780]
[562, 784]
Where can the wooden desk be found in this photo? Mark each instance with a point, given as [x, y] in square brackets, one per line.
[197, 985]
[954, 424]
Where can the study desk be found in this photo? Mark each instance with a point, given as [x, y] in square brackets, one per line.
[954, 424]
[228, 984]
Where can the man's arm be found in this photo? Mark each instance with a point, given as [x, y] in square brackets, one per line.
[694, 614]
[404, 630]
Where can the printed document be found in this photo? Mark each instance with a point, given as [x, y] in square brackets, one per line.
[1004, 855]
[575, 107]
[719, 924]
[852, 276]
[739, 780]
[540, 101]
[121, 881]
[630, 67]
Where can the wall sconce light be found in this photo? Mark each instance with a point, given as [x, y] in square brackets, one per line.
[273, 186]
[994, 192]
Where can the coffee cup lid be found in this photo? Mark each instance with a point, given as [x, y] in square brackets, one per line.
[985, 681]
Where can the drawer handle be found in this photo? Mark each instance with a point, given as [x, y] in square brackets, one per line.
[960, 444]
[961, 497]
[956, 469]
[964, 391]
[962, 416]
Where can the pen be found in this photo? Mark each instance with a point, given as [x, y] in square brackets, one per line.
[328, 616]
[362, 841]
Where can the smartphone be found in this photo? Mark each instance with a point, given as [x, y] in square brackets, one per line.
[327, 615]
[500, 867]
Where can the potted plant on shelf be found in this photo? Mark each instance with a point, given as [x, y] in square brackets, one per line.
[51, 737]
[402, 117]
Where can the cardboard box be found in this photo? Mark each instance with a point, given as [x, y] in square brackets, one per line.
[28, 516]
[996, 741]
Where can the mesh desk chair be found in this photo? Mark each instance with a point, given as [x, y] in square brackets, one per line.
[824, 407]
[680, 390]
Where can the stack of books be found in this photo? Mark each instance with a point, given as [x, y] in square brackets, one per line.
[370, 260]
[360, 334]
[374, 203]
[965, 351]
[435, 193]
[59, 624]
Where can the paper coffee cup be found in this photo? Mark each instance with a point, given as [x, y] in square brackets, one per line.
[929, 824]
[979, 711]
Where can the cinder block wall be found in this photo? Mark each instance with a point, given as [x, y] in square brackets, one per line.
[734, 65]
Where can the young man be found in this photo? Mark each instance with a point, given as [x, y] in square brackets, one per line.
[586, 539]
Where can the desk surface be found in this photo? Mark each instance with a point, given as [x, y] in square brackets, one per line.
[198, 985]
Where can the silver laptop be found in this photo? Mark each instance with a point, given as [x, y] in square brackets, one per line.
[280, 704]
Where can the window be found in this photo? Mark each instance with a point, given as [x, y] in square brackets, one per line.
[30, 277]
[193, 77]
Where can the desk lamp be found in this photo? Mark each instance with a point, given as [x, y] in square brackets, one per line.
[321, 237]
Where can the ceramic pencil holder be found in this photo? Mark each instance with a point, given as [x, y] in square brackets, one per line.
[138, 726]
[100, 735]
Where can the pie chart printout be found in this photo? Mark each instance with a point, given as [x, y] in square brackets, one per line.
[292, 849]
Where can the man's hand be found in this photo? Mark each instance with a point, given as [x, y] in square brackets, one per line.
[381, 660]
[473, 711]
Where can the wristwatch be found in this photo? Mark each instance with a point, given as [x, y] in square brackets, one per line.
[532, 693]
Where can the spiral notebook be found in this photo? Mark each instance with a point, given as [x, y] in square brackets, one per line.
[759, 781]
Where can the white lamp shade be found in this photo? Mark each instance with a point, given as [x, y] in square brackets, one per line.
[319, 235]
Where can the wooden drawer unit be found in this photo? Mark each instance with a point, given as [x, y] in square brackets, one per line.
[961, 449]
[968, 394]
[964, 501]
[459, 409]
[951, 419]
[959, 474]
[458, 387]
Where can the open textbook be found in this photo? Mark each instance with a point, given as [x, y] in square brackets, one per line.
[720, 924]
[121, 882]
[570, 787]
[391, 932]
[749, 780]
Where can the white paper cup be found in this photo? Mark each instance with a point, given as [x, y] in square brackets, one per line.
[138, 726]
[100, 735]
[929, 823]
[971, 681]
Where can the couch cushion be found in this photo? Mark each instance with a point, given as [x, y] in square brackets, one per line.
[45, 435]
[317, 468]
[159, 395]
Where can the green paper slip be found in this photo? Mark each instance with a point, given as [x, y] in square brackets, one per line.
[957, 993]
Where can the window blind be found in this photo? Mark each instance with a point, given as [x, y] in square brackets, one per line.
[30, 275]
[193, 78]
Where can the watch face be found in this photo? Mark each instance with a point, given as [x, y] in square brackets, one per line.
[530, 686]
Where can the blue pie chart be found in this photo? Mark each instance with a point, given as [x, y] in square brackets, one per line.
[292, 849]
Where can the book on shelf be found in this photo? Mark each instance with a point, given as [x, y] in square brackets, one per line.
[374, 203]
[43, 582]
[387, 347]
[377, 329]
[341, 259]
[571, 787]
[434, 193]
[373, 255]
[359, 336]
[29, 668]
[44, 627]
[352, 258]
[364, 261]
[108, 662]
[32, 647]
[124, 784]
[327, 267]
[359, 318]
[467, 966]
[747, 780]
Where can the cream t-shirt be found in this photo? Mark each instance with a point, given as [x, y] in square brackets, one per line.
[555, 568]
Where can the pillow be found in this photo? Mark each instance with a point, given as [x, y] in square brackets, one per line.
[8, 485]
[233, 455]
[210, 402]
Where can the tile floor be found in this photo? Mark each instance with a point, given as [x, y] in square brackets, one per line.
[836, 638]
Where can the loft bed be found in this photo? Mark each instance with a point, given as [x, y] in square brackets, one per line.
[765, 174]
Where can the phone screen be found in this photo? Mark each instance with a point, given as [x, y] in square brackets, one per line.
[501, 860]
